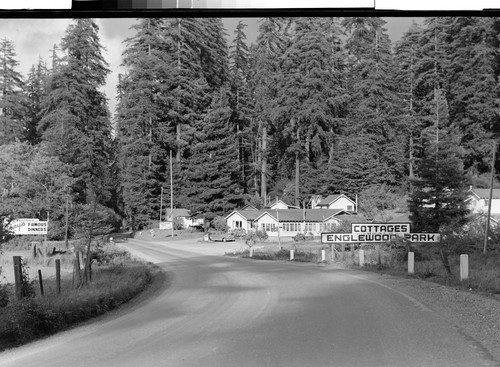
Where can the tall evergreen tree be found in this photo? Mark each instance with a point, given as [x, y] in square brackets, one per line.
[12, 106]
[213, 174]
[76, 124]
[312, 98]
[36, 86]
[241, 103]
[376, 107]
[438, 193]
[145, 134]
[473, 91]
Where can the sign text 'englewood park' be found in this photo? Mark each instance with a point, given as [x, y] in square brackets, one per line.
[378, 232]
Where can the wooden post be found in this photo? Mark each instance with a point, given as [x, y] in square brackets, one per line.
[352, 249]
[33, 249]
[323, 255]
[18, 271]
[379, 260]
[464, 267]
[411, 263]
[343, 251]
[58, 276]
[77, 269]
[361, 258]
[40, 280]
[251, 251]
[292, 254]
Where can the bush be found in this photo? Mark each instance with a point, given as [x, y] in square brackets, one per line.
[299, 237]
[30, 318]
[219, 224]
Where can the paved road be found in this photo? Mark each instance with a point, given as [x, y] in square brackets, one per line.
[220, 311]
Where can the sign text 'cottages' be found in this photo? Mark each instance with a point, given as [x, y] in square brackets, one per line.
[378, 232]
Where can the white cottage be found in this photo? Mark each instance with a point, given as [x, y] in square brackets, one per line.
[478, 200]
[337, 202]
[289, 222]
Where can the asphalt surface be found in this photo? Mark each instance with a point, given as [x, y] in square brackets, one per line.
[221, 311]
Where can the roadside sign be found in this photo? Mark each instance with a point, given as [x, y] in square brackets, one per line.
[380, 227]
[28, 226]
[377, 237]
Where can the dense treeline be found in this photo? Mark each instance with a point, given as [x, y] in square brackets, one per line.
[314, 106]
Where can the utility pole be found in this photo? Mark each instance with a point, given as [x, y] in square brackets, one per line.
[161, 204]
[278, 227]
[171, 195]
[67, 214]
[487, 225]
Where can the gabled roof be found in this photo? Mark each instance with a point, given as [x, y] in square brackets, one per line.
[485, 193]
[247, 214]
[278, 202]
[297, 215]
[332, 198]
[178, 213]
[248, 207]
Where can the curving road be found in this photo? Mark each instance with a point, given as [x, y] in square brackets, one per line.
[220, 311]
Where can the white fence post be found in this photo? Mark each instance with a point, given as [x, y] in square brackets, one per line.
[464, 267]
[361, 257]
[251, 251]
[292, 254]
[411, 262]
[323, 255]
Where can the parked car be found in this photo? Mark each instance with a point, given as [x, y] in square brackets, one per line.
[220, 237]
[238, 232]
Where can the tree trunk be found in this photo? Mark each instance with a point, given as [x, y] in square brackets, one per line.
[297, 173]
[263, 182]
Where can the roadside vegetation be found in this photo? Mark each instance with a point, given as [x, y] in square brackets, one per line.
[439, 262]
[115, 279]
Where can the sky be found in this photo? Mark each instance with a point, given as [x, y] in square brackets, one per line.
[35, 38]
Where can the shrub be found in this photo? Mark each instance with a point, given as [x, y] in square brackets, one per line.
[219, 224]
[299, 237]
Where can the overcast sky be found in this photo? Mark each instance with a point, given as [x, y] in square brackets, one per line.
[34, 38]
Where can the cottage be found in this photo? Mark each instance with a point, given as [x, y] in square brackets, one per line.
[243, 219]
[180, 214]
[289, 222]
[477, 200]
[337, 202]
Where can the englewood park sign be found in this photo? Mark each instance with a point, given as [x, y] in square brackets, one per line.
[378, 232]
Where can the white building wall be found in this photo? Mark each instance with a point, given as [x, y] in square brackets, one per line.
[279, 205]
[235, 219]
[481, 206]
[342, 203]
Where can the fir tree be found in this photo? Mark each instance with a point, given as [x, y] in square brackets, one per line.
[12, 106]
[35, 90]
[213, 174]
[76, 123]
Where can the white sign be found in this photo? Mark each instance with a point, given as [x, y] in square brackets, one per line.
[377, 237]
[28, 226]
[380, 227]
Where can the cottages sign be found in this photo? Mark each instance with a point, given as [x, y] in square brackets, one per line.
[379, 232]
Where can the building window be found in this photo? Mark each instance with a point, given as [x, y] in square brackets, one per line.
[237, 224]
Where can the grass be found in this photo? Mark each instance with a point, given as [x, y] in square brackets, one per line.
[484, 270]
[115, 282]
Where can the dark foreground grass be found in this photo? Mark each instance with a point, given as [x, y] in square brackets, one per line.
[484, 269]
[22, 321]
[281, 255]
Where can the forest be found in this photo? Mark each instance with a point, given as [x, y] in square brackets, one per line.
[315, 106]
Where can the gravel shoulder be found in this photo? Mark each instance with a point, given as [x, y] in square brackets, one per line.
[475, 315]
